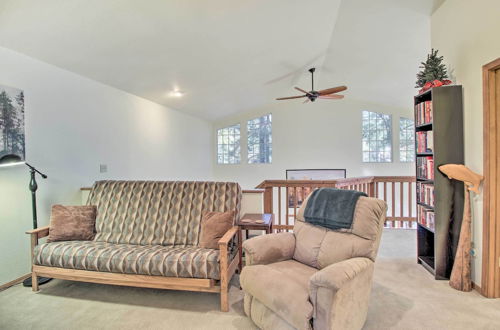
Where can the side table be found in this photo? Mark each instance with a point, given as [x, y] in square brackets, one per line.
[253, 221]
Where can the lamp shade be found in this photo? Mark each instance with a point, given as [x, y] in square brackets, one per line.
[10, 160]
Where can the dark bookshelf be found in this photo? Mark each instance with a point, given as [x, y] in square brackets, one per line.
[436, 247]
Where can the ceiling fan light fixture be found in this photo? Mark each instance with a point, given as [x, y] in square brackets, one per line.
[329, 93]
[176, 93]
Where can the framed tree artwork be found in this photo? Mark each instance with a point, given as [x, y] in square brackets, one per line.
[12, 135]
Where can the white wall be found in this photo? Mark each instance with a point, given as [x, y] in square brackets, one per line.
[73, 124]
[375, 50]
[252, 203]
[466, 33]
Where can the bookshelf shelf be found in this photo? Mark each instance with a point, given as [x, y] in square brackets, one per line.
[439, 140]
[428, 262]
[425, 205]
[427, 228]
[424, 180]
[424, 127]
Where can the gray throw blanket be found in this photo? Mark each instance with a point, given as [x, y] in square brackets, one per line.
[332, 208]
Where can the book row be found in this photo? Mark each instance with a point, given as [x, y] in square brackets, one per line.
[425, 193]
[423, 113]
[425, 168]
[425, 141]
[425, 217]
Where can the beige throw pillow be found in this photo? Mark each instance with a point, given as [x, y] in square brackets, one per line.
[72, 223]
[213, 226]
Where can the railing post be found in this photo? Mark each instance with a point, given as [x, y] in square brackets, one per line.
[371, 189]
[268, 200]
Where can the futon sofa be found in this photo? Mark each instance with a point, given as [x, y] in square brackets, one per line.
[313, 278]
[147, 234]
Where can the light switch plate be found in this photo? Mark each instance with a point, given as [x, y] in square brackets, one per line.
[103, 168]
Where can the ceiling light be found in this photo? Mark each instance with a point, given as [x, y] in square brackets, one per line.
[176, 93]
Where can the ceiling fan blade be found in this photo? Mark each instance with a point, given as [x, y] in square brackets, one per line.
[301, 90]
[306, 101]
[332, 96]
[332, 90]
[291, 97]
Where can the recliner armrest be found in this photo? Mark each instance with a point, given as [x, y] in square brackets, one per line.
[269, 248]
[340, 294]
[337, 274]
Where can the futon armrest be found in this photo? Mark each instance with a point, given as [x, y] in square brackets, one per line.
[39, 232]
[36, 234]
[228, 236]
[266, 249]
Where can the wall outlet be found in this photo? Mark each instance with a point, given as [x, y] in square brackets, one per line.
[103, 168]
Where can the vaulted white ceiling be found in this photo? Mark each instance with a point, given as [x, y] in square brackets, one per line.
[227, 56]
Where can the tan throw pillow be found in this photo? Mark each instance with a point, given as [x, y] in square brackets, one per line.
[72, 223]
[213, 226]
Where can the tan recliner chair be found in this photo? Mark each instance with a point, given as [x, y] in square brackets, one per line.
[313, 278]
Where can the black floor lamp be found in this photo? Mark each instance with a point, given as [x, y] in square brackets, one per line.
[11, 160]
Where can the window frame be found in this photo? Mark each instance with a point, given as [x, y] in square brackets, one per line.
[251, 154]
[409, 142]
[237, 155]
[376, 141]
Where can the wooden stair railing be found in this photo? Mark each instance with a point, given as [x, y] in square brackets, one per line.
[398, 193]
[284, 197]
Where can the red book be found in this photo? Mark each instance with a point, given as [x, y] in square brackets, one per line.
[430, 168]
[419, 141]
[427, 116]
[430, 111]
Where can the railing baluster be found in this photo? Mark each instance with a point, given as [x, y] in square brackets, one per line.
[401, 199]
[410, 203]
[393, 202]
[294, 204]
[279, 206]
[287, 207]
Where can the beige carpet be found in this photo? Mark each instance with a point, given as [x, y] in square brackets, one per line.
[404, 297]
